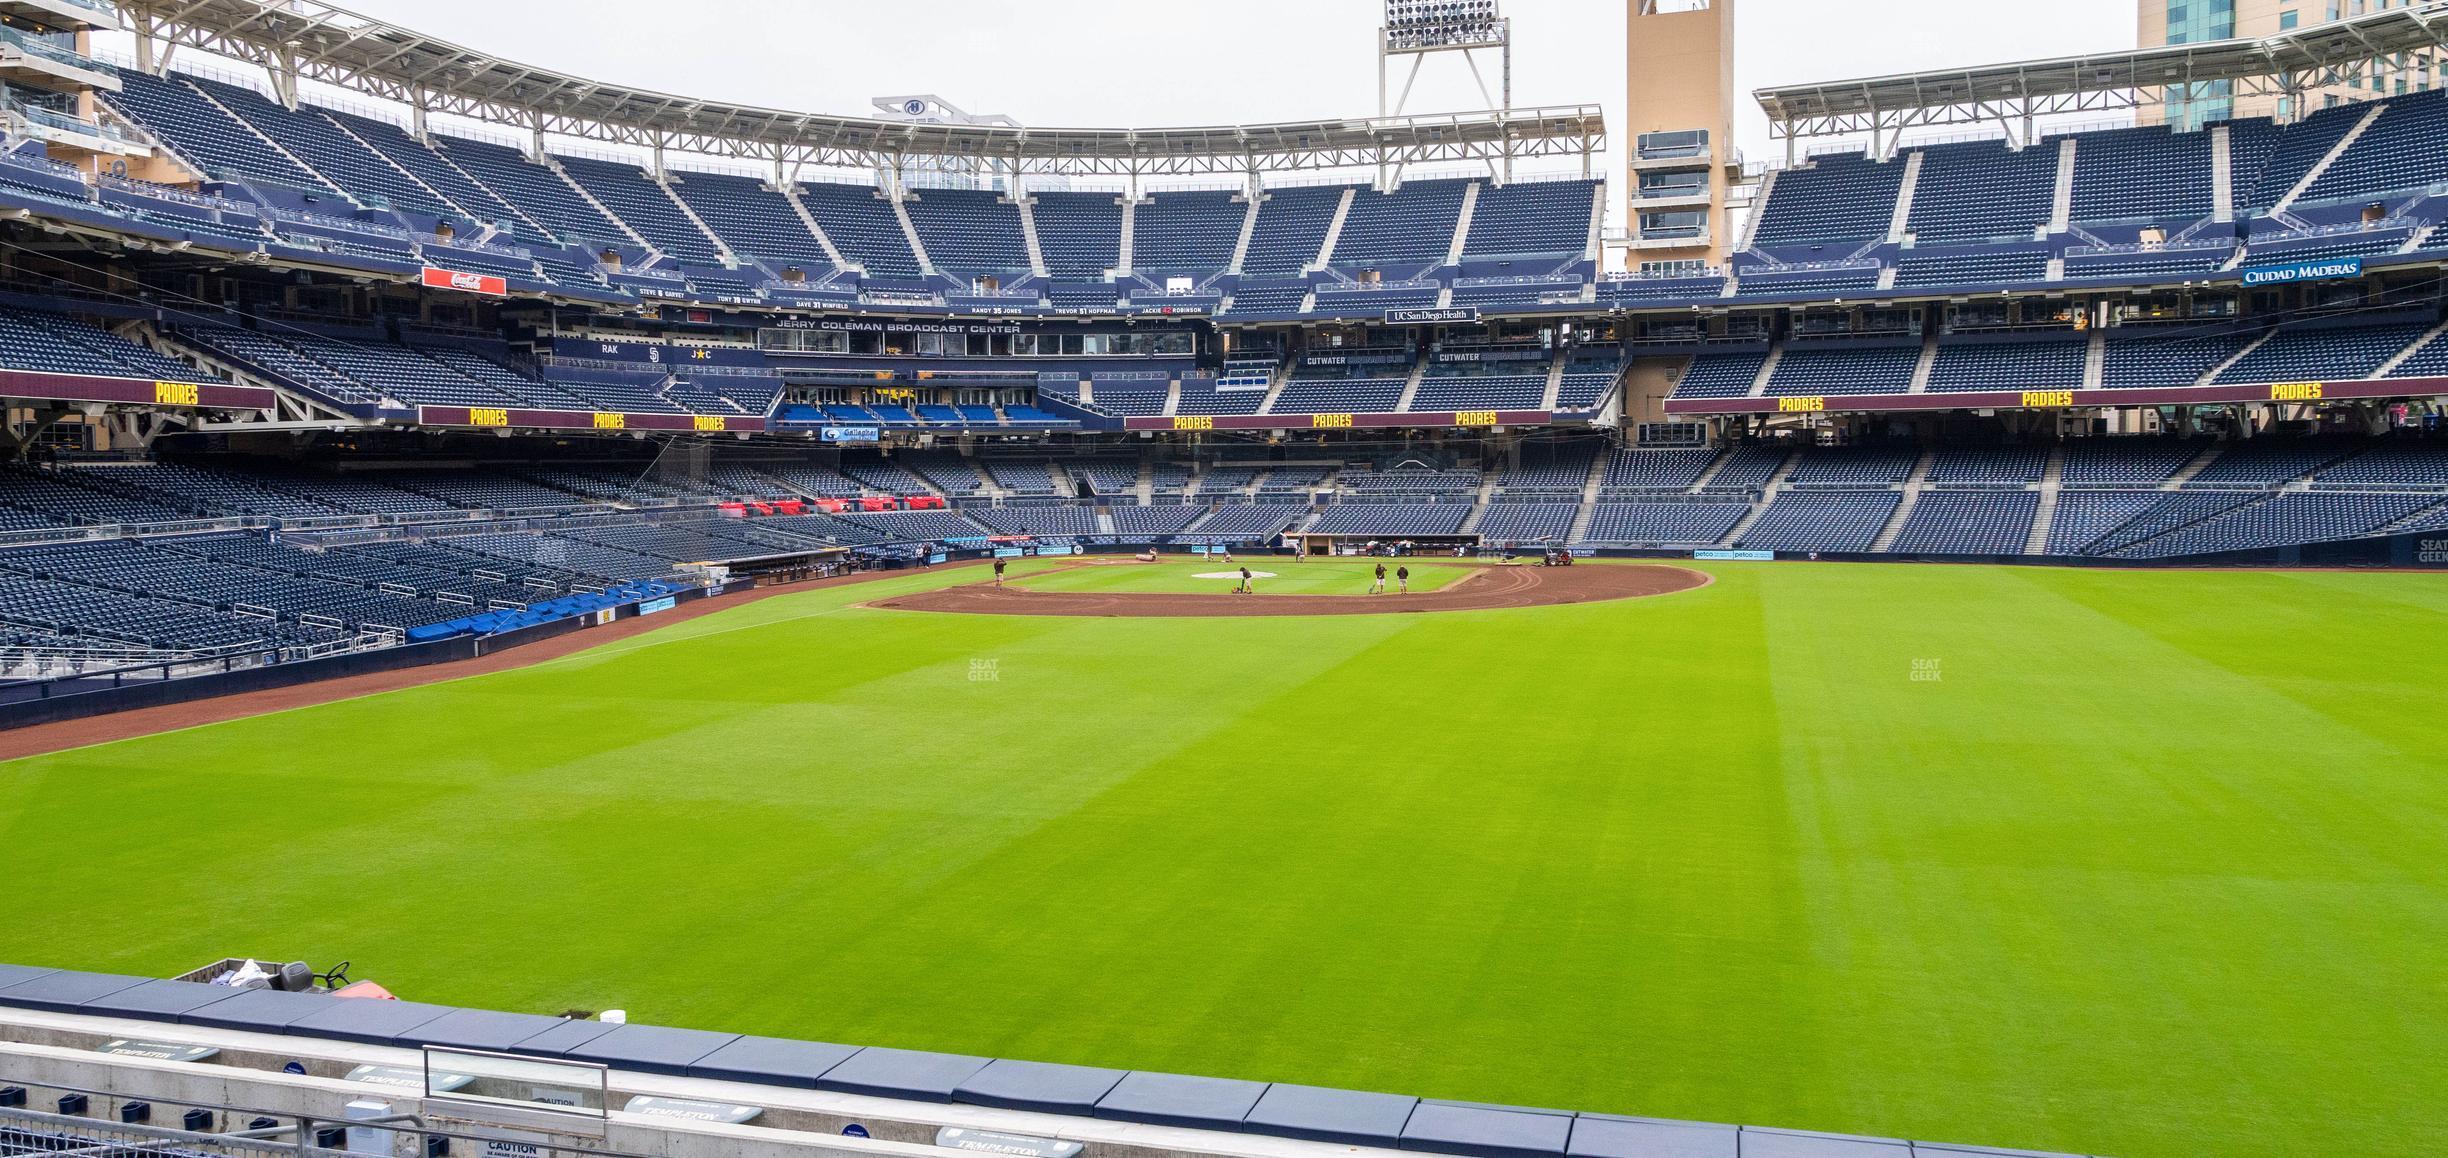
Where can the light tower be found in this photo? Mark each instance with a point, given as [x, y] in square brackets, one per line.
[1421, 28]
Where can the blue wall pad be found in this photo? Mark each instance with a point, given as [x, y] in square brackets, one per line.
[1487, 1131]
[372, 1022]
[902, 1073]
[1607, 1136]
[1324, 1115]
[159, 1000]
[64, 992]
[773, 1061]
[1044, 1086]
[1179, 1100]
[650, 1048]
[267, 1010]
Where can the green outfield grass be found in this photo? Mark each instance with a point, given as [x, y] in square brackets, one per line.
[1290, 576]
[2142, 864]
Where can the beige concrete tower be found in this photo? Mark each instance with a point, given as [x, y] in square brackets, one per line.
[1678, 131]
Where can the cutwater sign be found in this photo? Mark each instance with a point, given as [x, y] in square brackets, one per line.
[2323, 269]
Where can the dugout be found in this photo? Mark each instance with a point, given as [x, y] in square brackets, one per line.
[1422, 546]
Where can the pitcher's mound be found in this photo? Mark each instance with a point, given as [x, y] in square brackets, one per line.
[1486, 588]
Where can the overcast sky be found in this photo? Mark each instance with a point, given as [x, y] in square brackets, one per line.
[1200, 62]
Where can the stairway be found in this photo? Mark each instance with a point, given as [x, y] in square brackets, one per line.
[2240, 355]
[1172, 404]
[1590, 251]
[1462, 223]
[1249, 226]
[396, 167]
[1902, 220]
[1334, 233]
[1759, 209]
[1767, 370]
[2335, 151]
[1130, 229]
[2437, 334]
[1914, 484]
[2222, 175]
[1581, 522]
[547, 160]
[2051, 479]
[1927, 363]
[790, 193]
[1595, 484]
[720, 246]
[1411, 385]
[2061, 204]
[1274, 392]
[1555, 384]
[268, 142]
[909, 229]
[1027, 207]
[2200, 461]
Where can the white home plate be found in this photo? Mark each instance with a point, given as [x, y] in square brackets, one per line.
[1233, 575]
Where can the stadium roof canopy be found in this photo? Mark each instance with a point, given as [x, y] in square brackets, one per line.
[305, 39]
[2289, 62]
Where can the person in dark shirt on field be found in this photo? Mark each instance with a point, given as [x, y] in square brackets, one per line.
[999, 565]
[1378, 588]
[1402, 576]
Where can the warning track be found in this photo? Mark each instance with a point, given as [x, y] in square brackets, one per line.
[1485, 589]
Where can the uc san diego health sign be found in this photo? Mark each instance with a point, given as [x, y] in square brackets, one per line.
[2322, 269]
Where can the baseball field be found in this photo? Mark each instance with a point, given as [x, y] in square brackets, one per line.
[2142, 864]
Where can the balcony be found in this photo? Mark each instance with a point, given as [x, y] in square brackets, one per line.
[44, 62]
[68, 15]
[63, 129]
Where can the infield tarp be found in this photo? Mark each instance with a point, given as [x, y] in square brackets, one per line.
[773, 1061]
[1323, 1115]
[915, 1075]
[1180, 1100]
[1043, 1086]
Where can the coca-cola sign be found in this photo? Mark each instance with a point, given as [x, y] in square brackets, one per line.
[474, 283]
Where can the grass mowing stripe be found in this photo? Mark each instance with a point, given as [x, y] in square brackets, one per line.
[2153, 868]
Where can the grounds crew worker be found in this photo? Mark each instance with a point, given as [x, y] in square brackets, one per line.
[1378, 588]
[999, 563]
[1249, 582]
[1403, 576]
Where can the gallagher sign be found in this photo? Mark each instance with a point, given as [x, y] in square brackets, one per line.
[474, 283]
[2324, 269]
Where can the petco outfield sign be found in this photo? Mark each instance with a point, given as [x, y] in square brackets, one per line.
[2324, 269]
